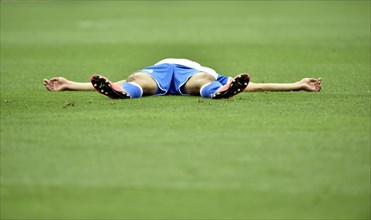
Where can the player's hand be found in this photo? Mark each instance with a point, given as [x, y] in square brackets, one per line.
[311, 84]
[56, 84]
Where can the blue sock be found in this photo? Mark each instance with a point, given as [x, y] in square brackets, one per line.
[209, 89]
[134, 90]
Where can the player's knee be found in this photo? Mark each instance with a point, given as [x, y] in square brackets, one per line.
[139, 77]
[210, 78]
[203, 77]
[132, 78]
[146, 82]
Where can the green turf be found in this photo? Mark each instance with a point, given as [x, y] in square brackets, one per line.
[73, 155]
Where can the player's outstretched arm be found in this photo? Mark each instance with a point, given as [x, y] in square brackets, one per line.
[306, 84]
[62, 84]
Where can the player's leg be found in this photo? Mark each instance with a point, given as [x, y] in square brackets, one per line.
[135, 86]
[197, 81]
[147, 84]
[205, 85]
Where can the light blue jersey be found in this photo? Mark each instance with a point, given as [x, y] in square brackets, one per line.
[172, 74]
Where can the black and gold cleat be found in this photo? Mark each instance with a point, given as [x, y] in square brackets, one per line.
[235, 86]
[107, 88]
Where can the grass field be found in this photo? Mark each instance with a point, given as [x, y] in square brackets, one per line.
[79, 155]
